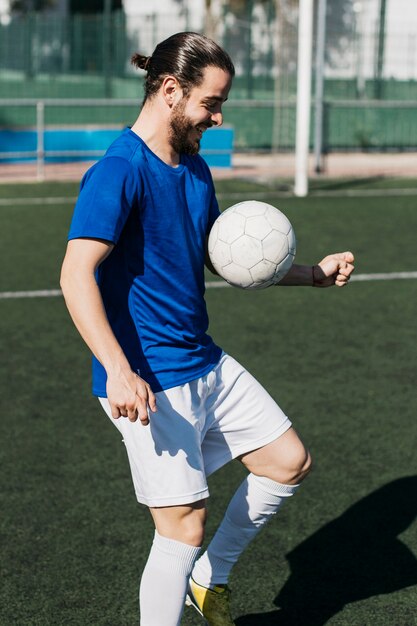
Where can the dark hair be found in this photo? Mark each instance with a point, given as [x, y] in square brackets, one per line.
[185, 56]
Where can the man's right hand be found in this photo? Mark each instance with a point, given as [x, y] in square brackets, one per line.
[130, 396]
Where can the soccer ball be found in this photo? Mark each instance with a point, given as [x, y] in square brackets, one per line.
[252, 245]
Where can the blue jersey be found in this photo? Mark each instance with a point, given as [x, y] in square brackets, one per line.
[152, 283]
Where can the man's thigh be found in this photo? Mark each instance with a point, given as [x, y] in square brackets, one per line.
[165, 457]
[241, 416]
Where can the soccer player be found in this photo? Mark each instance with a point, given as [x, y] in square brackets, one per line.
[133, 281]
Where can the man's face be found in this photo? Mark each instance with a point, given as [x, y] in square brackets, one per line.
[201, 109]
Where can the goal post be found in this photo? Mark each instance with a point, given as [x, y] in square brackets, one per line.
[304, 71]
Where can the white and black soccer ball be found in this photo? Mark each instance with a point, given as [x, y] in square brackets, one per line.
[252, 245]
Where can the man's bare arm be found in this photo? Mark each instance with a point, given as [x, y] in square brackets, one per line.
[128, 394]
[334, 269]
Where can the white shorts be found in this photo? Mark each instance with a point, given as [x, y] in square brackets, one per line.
[198, 427]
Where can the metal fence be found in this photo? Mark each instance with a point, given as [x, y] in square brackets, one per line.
[348, 125]
[369, 96]
[69, 143]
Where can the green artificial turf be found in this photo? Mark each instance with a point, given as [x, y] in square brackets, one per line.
[341, 363]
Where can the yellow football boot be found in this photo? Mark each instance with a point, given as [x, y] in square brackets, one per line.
[212, 604]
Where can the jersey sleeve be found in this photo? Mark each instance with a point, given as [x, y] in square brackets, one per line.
[107, 194]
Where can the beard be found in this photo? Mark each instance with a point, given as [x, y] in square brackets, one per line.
[180, 131]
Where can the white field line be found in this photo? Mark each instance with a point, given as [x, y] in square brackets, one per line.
[320, 193]
[255, 195]
[357, 193]
[36, 201]
[42, 293]
[386, 276]
[355, 278]
[213, 284]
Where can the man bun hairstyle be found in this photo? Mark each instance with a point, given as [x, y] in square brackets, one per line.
[185, 56]
[140, 61]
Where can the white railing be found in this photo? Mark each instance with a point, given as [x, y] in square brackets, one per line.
[40, 154]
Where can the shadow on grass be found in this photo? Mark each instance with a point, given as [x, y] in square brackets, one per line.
[356, 556]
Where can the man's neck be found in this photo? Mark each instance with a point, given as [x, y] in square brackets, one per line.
[153, 129]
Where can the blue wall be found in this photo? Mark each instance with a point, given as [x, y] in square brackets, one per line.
[216, 144]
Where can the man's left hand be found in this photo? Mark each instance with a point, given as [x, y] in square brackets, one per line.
[334, 269]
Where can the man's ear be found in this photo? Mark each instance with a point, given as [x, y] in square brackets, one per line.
[171, 91]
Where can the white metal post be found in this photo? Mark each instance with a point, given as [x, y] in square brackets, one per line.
[40, 147]
[305, 41]
[320, 46]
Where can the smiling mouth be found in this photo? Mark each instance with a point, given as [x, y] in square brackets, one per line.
[201, 129]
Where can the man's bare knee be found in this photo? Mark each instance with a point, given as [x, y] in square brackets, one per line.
[304, 466]
[285, 460]
[183, 523]
[295, 469]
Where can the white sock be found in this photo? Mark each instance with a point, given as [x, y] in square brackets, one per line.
[253, 505]
[164, 581]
